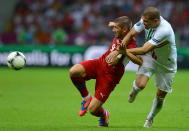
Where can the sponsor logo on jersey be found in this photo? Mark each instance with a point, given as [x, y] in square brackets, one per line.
[138, 23]
[102, 95]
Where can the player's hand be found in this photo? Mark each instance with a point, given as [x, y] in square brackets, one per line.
[111, 24]
[122, 48]
[112, 59]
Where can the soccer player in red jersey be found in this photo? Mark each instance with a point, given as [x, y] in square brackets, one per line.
[107, 77]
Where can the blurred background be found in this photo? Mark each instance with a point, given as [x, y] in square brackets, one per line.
[65, 32]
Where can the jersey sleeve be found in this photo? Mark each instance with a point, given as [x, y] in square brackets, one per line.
[160, 36]
[139, 26]
[132, 44]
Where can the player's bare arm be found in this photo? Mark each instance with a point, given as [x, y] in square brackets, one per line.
[142, 50]
[134, 58]
[128, 37]
[113, 58]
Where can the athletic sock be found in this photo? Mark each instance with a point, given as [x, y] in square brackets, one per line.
[79, 83]
[87, 97]
[156, 107]
[136, 89]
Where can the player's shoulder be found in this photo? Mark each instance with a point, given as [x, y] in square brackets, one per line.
[139, 26]
[164, 27]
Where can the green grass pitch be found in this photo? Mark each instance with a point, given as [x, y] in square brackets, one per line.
[44, 99]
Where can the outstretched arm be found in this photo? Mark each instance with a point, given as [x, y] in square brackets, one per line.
[134, 58]
[114, 56]
[125, 42]
[129, 36]
[142, 50]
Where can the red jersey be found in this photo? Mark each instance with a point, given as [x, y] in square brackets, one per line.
[120, 66]
[107, 77]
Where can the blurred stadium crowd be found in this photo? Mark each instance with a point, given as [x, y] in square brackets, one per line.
[84, 22]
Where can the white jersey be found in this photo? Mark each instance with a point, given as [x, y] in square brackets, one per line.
[165, 56]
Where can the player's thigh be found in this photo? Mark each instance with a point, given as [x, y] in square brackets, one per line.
[105, 84]
[95, 105]
[164, 80]
[142, 76]
[86, 69]
[92, 67]
[77, 71]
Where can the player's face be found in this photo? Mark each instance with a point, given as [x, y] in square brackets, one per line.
[147, 22]
[117, 30]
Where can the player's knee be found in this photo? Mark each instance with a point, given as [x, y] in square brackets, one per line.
[140, 84]
[76, 71]
[72, 72]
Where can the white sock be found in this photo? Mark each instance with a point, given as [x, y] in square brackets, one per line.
[156, 107]
[135, 87]
[87, 97]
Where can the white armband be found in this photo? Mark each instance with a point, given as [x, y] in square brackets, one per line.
[119, 56]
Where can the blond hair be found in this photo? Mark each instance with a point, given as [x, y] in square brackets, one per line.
[124, 21]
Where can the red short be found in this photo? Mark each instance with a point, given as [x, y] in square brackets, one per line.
[105, 81]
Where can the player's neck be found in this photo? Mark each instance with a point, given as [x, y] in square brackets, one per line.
[122, 37]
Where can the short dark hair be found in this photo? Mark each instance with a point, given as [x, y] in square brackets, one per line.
[152, 12]
[124, 21]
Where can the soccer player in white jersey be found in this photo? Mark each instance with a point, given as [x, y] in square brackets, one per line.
[159, 56]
